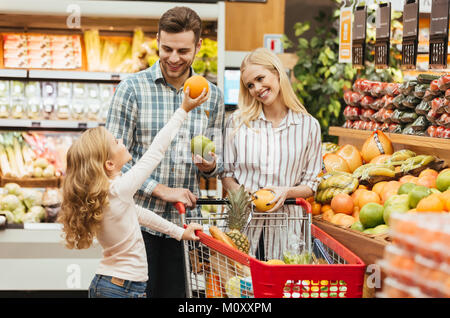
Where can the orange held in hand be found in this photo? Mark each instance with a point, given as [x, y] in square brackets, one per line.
[196, 85]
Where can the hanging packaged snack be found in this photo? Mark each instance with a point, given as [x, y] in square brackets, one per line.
[367, 101]
[444, 82]
[411, 101]
[398, 101]
[359, 36]
[410, 34]
[438, 105]
[408, 117]
[438, 34]
[421, 123]
[420, 89]
[423, 108]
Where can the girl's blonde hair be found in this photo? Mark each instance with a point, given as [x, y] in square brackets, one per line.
[249, 107]
[85, 188]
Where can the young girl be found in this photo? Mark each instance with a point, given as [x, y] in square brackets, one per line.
[98, 202]
[271, 142]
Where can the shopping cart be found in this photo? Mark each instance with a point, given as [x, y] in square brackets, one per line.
[216, 270]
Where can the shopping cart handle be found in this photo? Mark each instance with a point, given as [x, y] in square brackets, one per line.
[297, 201]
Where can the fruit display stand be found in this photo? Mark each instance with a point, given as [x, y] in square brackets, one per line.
[370, 248]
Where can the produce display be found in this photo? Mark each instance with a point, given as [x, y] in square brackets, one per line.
[54, 100]
[364, 197]
[23, 50]
[25, 205]
[417, 263]
[418, 107]
[33, 155]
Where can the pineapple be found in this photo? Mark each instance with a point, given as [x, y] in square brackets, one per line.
[238, 209]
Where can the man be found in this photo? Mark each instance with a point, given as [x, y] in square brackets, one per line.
[141, 106]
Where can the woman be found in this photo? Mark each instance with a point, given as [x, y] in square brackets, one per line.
[271, 142]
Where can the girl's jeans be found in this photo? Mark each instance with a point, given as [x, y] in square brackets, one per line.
[110, 287]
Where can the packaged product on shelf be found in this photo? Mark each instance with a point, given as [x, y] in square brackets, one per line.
[444, 82]
[423, 108]
[51, 201]
[444, 120]
[367, 114]
[432, 116]
[79, 90]
[420, 89]
[431, 131]
[411, 101]
[438, 105]
[384, 127]
[389, 102]
[378, 103]
[398, 101]
[395, 128]
[420, 124]
[434, 87]
[33, 99]
[64, 89]
[62, 109]
[367, 101]
[408, 117]
[77, 109]
[17, 108]
[392, 89]
[49, 94]
[407, 87]
[93, 103]
[17, 89]
[4, 108]
[447, 94]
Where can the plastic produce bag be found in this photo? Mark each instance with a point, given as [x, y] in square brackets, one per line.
[389, 102]
[398, 101]
[392, 89]
[438, 105]
[395, 128]
[420, 89]
[420, 124]
[411, 101]
[432, 116]
[407, 87]
[408, 117]
[423, 108]
[295, 252]
[367, 101]
[408, 130]
[444, 120]
[444, 82]
[396, 116]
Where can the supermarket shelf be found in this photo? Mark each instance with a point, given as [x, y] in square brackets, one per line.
[89, 8]
[48, 124]
[76, 75]
[13, 73]
[395, 138]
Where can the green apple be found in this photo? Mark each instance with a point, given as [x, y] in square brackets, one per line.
[202, 146]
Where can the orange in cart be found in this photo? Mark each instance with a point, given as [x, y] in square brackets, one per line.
[378, 187]
[408, 178]
[428, 181]
[316, 208]
[446, 198]
[368, 197]
[429, 172]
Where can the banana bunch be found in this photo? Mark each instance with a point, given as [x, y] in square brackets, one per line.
[415, 165]
[333, 183]
[372, 173]
[398, 157]
[329, 147]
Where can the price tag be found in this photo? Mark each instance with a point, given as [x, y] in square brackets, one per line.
[115, 77]
[383, 36]
[410, 34]
[359, 36]
[438, 34]
[82, 125]
[345, 35]
[35, 124]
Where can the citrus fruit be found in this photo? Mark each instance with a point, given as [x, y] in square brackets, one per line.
[408, 178]
[368, 231]
[342, 219]
[429, 172]
[357, 226]
[202, 146]
[355, 196]
[428, 181]
[417, 194]
[351, 155]
[262, 198]
[380, 159]
[443, 180]
[328, 215]
[368, 197]
[378, 187]
[405, 188]
[431, 203]
[196, 85]
[325, 208]
[342, 203]
[371, 215]
[380, 229]
[315, 208]
[355, 213]
[334, 162]
[446, 198]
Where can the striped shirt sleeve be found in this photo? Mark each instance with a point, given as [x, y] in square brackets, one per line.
[313, 156]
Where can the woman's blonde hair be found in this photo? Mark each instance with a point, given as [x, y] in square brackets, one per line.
[249, 107]
[85, 188]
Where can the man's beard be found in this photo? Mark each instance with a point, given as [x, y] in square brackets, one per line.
[176, 74]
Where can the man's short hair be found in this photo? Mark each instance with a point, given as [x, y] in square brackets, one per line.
[180, 19]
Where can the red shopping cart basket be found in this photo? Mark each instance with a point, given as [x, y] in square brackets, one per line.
[216, 270]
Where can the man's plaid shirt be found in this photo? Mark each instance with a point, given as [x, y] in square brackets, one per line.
[142, 104]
